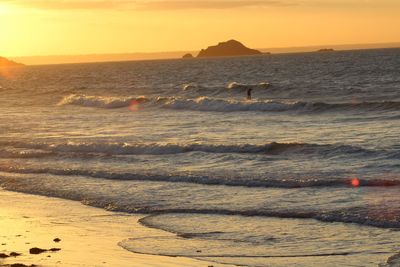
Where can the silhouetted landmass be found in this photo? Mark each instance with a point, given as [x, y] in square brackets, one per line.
[5, 63]
[226, 49]
[326, 50]
[67, 59]
[188, 55]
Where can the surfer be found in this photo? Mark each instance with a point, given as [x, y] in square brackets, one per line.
[249, 93]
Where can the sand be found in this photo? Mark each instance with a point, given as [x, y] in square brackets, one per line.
[88, 236]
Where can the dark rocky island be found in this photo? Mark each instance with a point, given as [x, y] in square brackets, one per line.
[326, 50]
[187, 56]
[5, 63]
[227, 49]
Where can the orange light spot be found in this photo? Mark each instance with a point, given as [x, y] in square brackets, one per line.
[134, 105]
[9, 73]
[355, 182]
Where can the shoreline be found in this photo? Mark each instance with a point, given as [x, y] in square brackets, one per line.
[88, 236]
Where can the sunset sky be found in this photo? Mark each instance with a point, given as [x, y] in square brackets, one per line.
[52, 27]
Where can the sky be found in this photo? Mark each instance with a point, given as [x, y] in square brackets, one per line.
[72, 27]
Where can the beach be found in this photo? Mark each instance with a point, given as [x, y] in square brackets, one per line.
[305, 173]
[88, 236]
[208, 133]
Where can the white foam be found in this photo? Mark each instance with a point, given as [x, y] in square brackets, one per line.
[236, 85]
[189, 86]
[205, 103]
[99, 101]
[222, 105]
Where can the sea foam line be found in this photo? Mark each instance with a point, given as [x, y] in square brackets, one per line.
[204, 179]
[272, 148]
[224, 105]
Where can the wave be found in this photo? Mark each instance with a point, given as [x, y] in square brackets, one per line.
[224, 105]
[189, 86]
[235, 85]
[62, 184]
[378, 106]
[24, 153]
[272, 148]
[205, 180]
[358, 215]
[101, 101]
[231, 86]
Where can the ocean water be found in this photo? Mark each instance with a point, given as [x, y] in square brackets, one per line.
[306, 173]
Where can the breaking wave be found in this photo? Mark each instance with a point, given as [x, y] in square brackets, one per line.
[224, 105]
[145, 205]
[100, 101]
[221, 105]
[273, 148]
[235, 85]
[203, 179]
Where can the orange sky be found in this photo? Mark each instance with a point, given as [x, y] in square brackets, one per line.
[54, 27]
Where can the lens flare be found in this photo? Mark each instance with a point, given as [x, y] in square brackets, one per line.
[10, 73]
[134, 105]
[355, 182]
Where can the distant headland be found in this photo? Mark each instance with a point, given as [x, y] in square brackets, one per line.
[91, 58]
[226, 49]
[5, 63]
[326, 50]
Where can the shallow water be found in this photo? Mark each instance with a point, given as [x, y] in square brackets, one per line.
[316, 152]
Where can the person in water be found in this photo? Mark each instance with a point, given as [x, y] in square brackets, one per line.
[249, 93]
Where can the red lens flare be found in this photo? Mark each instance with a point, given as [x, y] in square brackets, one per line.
[134, 105]
[355, 182]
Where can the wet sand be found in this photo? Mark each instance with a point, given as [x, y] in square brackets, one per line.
[79, 235]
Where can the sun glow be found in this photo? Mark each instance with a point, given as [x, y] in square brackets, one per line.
[6, 9]
[87, 27]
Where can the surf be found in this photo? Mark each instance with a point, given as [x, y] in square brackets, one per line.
[211, 104]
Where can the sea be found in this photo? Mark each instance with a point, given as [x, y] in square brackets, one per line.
[305, 173]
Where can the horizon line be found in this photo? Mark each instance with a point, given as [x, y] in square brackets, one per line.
[138, 56]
